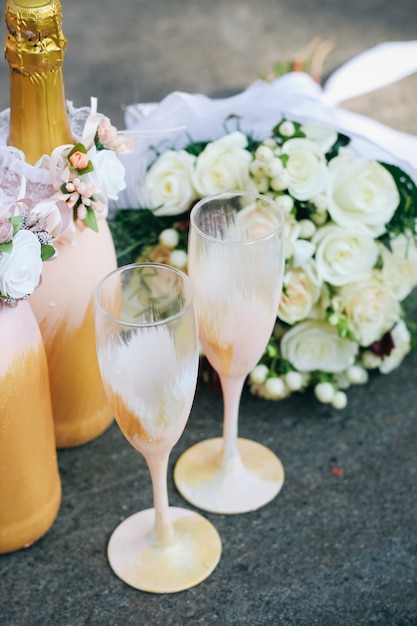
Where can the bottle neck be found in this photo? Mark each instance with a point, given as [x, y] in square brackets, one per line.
[35, 48]
[38, 114]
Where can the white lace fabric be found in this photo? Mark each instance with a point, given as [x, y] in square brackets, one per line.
[15, 172]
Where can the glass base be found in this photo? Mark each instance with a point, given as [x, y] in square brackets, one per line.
[147, 566]
[238, 486]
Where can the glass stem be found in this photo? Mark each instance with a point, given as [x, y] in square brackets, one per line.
[158, 468]
[232, 391]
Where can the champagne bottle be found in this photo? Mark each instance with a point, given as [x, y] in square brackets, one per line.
[64, 302]
[30, 486]
[35, 47]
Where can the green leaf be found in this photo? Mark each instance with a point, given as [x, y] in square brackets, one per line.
[79, 147]
[90, 220]
[253, 144]
[16, 221]
[196, 147]
[404, 218]
[6, 247]
[47, 251]
[341, 142]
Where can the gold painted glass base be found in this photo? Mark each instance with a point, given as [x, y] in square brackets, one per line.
[246, 482]
[159, 568]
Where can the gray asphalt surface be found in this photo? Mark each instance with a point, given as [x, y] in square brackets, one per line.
[332, 549]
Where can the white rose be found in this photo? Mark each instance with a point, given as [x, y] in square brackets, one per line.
[256, 221]
[361, 191]
[324, 136]
[344, 254]
[168, 184]
[301, 292]
[108, 174]
[371, 308]
[402, 346]
[399, 268]
[223, 165]
[306, 168]
[20, 270]
[315, 345]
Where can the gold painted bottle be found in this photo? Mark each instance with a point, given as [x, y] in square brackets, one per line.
[30, 486]
[63, 304]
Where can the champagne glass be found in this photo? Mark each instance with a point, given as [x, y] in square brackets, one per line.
[236, 262]
[147, 347]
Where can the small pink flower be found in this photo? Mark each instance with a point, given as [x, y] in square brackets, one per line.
[6, 231]
[79, 160]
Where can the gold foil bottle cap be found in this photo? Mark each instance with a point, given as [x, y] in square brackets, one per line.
[35, 41]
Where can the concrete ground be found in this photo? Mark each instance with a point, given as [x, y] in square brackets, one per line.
[333, 549]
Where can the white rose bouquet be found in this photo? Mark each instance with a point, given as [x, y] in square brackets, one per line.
[351, 255]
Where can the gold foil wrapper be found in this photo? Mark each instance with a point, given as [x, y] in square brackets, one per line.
[35, 47]
[35, 41]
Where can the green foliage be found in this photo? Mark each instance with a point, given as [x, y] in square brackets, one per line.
[90, 219]
[273, 360]
[133, 229]
[6, 247]
[409, 307]
[16, 221]
[341, 142]
[196, 147]
[404, 219]
[47, 252]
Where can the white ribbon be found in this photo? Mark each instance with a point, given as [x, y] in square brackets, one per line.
[295, 96]
[91, 125]
[378, 67]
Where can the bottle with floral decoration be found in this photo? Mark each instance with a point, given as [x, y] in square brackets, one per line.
[69, 158]
[30, 486]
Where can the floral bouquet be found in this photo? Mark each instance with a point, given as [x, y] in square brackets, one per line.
[62, 194]
[24, 245]
[350, 206]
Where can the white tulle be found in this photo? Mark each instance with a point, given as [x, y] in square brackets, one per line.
[257, 109]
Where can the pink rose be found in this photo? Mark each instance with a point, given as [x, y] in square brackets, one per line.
[6, 231]
[79, 160]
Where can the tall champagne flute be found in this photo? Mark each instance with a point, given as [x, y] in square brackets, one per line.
[236, 262]
[147, 347]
